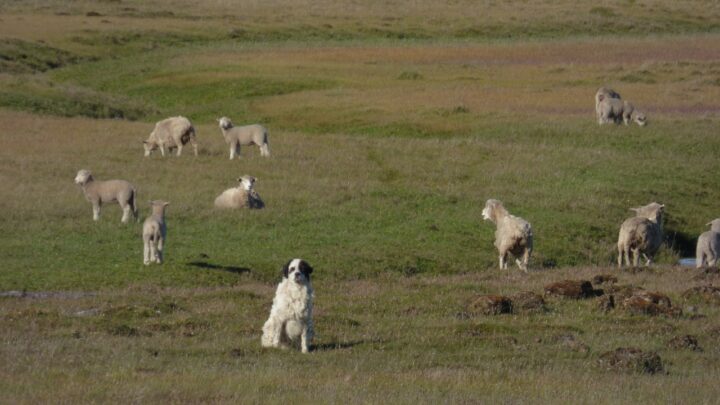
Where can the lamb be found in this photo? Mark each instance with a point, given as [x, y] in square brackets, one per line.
[708, 246]
[173, 132]
[602, 94]
[641, 234]
[616, 110]
[244, 195]
[155, 233]
[513, 234]
[99, 192]
[245, 135]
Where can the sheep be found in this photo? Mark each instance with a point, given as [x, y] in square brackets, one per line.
[99, 192]
[602, 94]
[155, 233]
[708, 246]
[245, 135]
[513, 234]
[642, 233]
[173, 132]
[616, 110]
[244, 195]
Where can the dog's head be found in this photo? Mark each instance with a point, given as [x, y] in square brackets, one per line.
[297, 271]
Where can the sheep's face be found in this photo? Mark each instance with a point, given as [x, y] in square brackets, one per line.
[83, 177]
[225, 123]
[641, 119]
[652, 211]
[149, 147]
[714, 225]
[247, 182]
[488, 212]
[297, 271]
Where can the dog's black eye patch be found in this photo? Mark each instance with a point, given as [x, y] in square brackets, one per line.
[305, 268]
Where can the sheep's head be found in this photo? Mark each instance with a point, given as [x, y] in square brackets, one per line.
[714, 225]
[493, 210]
[652, 211]
[149, 147]
[225, 123]
[640, 118]
[83, 177]
[247, 182]
[158, 206]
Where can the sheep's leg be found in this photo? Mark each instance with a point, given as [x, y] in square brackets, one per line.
[620, 257]
[636, 257]
[160, 246]
[162, 150]
[127, 210]
[233, 149]
[146, 251]
[503, 261]
[96, 211]
[627, 257]
[153, 249]
[179, 152]
[648, 260]
[523, 264]
[194, 145]
[265, 150]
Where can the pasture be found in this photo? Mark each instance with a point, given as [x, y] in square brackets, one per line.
[390, 126]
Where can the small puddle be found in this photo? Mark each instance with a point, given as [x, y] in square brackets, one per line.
[687, 262]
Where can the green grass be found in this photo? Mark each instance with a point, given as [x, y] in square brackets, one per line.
[388, 134]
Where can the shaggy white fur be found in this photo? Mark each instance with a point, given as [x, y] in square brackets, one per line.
[290, 321]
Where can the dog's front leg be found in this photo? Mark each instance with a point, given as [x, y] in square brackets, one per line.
[306, 337]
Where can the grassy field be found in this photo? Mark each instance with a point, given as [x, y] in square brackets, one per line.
[390, 125]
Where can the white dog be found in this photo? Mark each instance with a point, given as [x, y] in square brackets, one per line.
[290, 319]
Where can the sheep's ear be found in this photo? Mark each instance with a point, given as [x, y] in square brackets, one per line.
[709, 223]
[165, 204]
[286, 269]
[239, 179]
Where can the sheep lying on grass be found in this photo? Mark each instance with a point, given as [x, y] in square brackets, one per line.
[173, 132]
[513, 234]
[245, 135]
[603, 93]
[641, 234]
[244, 195]
[99, 192]
[708, 246]
[154, 233]
[616, 110]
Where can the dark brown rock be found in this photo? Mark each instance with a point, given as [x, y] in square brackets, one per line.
[576, 289]
[650, 303]
[490, 305]
[631, 359]
[684, 342]
[604, 279]
[528, 301]
[707, 293]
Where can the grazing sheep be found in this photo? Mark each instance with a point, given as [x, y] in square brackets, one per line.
[602, 94]
[244, 195]
[513, 234]
[99, 192]
[154, 233]
[245, 135]
[173, 132]
[641, 234]
[708, 246]
[616, 110]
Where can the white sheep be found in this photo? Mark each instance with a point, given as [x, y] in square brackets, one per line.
[616, 110]
[512, 235]
[155, 233]
[708, 246]
[245, 135]
[602, 94]
[173, 132]
[99, 192]
[244, 195]
[642, 233]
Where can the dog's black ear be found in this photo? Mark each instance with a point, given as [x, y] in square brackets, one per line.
[305, 268]
[286, 269]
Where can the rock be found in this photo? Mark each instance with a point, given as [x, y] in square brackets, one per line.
[684, 342]
[528, 301]
[576, 289]
[570, 342]
[650, 303]
[490, 305]
[707, 293]
[604, 279]
[631, 359]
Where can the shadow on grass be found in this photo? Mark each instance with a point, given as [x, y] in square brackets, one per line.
[210, 266]
[338, 345]
[681, 242]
